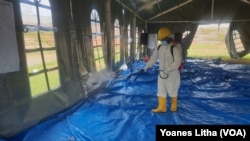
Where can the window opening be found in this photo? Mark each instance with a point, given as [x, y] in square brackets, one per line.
[117, 41]
[185, 34]
[40, 46]
[129, 40]
[237, 41]
[136, 42]
[97, 40]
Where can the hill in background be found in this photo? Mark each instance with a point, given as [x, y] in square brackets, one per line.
[209, 42]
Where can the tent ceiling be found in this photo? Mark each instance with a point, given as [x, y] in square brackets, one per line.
[201, 11]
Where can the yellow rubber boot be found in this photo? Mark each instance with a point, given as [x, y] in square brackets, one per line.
[161, 105]
[173, 104]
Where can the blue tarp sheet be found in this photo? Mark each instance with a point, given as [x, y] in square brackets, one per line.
[211, 93]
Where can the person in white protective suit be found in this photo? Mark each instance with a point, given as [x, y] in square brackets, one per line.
[169, 74]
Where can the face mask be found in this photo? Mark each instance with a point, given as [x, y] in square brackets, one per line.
[164, 43]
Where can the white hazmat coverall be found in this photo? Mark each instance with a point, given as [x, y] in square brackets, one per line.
[169, 75]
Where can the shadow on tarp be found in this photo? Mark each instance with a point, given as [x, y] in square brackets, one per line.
[210, 93]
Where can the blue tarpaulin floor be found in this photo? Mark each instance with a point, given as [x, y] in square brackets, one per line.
[211, 93]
